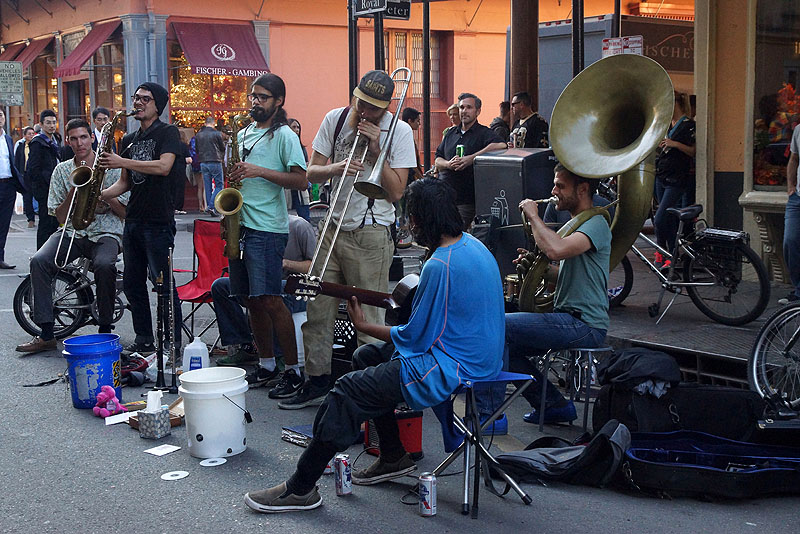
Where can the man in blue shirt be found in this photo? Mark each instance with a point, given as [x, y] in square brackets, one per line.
[455, 333]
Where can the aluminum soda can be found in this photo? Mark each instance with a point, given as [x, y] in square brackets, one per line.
[343, 472]
[427, 494]
[460, 151]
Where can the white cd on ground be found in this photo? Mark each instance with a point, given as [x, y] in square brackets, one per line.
[212, 462]
[175, 475]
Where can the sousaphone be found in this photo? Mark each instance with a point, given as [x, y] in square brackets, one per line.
[608, 122]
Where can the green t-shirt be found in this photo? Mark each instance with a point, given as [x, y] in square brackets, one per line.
[264, 202]
[583, 280]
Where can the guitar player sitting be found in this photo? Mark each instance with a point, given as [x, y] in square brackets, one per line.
[457, 320]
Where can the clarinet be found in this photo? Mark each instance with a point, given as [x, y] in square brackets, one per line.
[170, 322]
[160, 382]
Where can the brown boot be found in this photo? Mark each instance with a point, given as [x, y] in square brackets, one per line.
[38, 344]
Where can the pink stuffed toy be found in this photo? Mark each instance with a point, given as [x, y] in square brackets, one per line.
[107, 403]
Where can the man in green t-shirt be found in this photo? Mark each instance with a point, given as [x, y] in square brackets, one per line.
[271, 160]
[580, 313]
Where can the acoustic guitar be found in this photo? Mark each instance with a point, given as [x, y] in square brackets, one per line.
[397, 304]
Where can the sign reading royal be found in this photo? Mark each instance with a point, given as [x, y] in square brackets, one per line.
[366, 7]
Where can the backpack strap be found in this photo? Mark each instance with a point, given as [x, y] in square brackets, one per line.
[338, 129]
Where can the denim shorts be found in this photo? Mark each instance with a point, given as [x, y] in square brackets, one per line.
[260, 270]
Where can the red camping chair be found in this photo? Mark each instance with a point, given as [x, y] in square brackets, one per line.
[208, 264]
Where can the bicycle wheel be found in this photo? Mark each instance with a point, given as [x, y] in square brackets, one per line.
[774, 364]
[620, 282]
[739, 290]
[317, 212]
[70, 303]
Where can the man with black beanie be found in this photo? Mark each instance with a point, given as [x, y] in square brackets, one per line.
[146, 158]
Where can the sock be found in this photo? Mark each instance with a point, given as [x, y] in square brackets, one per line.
[267, 363]
[47, 331]
[295, 368]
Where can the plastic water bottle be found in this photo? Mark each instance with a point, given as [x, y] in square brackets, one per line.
[195, 355]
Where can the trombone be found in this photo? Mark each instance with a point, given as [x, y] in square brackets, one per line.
[79, 177]
[371, 186]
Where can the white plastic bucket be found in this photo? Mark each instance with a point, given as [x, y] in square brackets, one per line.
[214, 404]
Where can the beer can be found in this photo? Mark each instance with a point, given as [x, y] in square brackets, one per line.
[460, 151]
[427, 494]
[343, 472]
[328, 469]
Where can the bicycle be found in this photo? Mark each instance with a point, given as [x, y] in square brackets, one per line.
[74, 303]
[773, 368]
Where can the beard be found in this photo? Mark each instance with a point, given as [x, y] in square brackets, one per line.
[261, 114]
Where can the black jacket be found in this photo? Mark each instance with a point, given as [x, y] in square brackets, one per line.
[42, 159]
[209, 145]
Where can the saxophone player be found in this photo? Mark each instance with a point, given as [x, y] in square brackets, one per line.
[100, 241]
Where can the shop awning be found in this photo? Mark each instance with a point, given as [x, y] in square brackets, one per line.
[223, 49]
[86, 48]
[11, 52]
[33, 50]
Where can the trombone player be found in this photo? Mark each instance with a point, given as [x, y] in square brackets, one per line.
[100, 241]
[363, 250]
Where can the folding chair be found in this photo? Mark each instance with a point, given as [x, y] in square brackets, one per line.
[208, 264]
[476, 455]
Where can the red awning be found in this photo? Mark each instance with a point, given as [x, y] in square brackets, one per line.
[33, 50]
[224, 49]
[11, 52]
[86, 48]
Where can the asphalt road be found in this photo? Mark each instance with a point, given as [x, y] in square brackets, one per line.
[64, 471]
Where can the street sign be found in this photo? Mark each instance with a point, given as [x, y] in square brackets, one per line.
[365, 7]
[11, 92]
[397, 10]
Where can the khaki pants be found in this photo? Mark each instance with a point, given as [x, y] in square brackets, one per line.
[360, 258]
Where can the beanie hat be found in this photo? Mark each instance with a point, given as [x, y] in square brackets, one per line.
[160, 95]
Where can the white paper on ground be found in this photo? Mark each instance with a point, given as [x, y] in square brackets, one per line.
[161, 450]
[119, 418]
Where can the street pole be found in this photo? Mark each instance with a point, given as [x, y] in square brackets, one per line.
[525, 49]
[426, 83]
[577, 37]
[615, 22]
[379, 55]
[352, 45]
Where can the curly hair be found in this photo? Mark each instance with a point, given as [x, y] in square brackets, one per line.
[431, 204]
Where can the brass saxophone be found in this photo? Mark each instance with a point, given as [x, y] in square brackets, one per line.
[88, 182]
[229, 201]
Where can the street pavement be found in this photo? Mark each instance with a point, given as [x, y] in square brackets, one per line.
[64, 471]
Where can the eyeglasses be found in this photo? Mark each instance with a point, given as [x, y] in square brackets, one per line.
[144, 99]
[515, 103]
[260, 97]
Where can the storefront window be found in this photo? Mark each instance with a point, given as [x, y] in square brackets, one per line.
[193, 97]
[109, 76]
[45, 85]
[777, 100]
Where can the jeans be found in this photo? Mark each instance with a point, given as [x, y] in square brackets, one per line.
[791, 240]
[8, 196]
[103, 254]
[145, 249]
[47, 223]
[666, 225]
[212, 173]
[370, 393]
[531, 334]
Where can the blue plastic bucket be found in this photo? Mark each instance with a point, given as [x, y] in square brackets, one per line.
[93, 363]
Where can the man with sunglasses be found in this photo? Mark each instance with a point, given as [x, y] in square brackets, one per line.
[271, 160]
[147, 158]
[363, 250]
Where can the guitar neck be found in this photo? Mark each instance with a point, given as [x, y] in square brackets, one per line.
[365, 296]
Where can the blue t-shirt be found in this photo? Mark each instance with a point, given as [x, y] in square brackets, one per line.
[457, 327]
[264, 202]
[582, 284]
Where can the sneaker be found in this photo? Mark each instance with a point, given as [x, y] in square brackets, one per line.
[289, 384]
[240, 357]
[788, 299]
[260, 377]
[498, 428]
[310, 395]
[380, 470]
[276, 499]
[556, 414]
[658, 259]
[38, 344]
[31, 224]
[142, 348]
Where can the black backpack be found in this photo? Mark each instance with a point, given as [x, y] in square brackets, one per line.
[552, 458]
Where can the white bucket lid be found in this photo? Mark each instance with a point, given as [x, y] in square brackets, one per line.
[212, 379]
